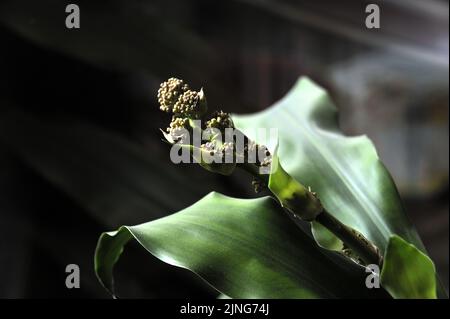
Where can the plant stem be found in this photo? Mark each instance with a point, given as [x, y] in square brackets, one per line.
[353, 239]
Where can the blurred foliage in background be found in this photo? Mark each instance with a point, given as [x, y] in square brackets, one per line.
[78, 112]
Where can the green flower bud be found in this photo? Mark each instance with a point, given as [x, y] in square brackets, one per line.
[169, 92]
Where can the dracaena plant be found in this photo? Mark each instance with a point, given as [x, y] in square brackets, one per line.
[330, 226]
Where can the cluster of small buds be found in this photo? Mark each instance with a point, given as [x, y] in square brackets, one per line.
[253, 149]
[177, 122]
[177, 127]
[189, 104]
[224, 151]
[176, 97]
[169, 92]
[210, 147]
[220, 120]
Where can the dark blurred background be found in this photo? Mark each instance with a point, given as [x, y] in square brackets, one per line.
[80, 148]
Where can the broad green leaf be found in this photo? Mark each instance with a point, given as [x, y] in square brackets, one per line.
[325, 238]
[291, 194]
[346, 172]
[245, 248]
[407, 272]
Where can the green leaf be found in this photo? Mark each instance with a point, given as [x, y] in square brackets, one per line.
[248, 248]
[346, 172]
[325, 238]
[245, 248]
[407, 272]
[291, 194]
